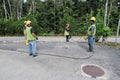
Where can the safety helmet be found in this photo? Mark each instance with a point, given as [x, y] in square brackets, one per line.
[93, 18]
[67, 25]
[28, 22]
[25, 22]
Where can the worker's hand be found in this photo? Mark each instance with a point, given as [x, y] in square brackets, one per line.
[36, 38]
[91, 34]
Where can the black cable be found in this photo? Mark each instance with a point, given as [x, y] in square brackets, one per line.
[64, 56]
[76, 58]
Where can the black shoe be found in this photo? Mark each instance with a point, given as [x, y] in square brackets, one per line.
[67, 41]
[30, 54]
[34, 55]
[89, 50]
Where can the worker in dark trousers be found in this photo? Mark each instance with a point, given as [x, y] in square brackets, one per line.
[67, 32]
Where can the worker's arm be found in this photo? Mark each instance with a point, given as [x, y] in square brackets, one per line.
[33, 34]
[92, 31]
[68, 29]
[24, 30]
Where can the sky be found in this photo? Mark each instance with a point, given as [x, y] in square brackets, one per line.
[44, 0]
[26, 0]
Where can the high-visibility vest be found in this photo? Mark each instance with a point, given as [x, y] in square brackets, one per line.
[89, 30]
[29, 34]
[66, 33]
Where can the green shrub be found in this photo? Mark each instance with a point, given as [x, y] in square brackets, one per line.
[106, 31]
[48, 34]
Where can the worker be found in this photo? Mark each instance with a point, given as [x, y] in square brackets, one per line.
[67, 32]
[91, 33]
[31, 37]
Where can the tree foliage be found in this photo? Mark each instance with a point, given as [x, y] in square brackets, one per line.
[50, 16]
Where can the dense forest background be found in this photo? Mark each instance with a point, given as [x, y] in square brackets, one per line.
[50, 16]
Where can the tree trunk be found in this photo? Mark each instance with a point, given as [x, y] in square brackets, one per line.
[109, 12]
[10, 8]
[106, 10]
[33, 6]
[4, 6]
[21, 8]
[105, 17]
[30, 10]
[17, 11]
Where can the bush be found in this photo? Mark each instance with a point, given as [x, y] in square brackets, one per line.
[106, 31]
[103, 31]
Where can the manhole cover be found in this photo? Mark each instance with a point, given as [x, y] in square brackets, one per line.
[93, 71]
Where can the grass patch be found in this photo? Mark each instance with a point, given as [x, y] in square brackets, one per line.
[111, 44]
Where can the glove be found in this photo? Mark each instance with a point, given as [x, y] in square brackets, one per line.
[26, 42]
[36, 38]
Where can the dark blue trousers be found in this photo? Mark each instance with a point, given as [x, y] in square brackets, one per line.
[91, 42]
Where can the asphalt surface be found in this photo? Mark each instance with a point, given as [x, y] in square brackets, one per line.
[56, 60]
[55, 39]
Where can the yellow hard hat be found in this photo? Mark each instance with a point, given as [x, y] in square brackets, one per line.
[67, 25]
[93, 18]
[28, 22]
[25, 22]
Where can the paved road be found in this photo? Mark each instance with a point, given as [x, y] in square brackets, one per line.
[54, 39]
[57, 60]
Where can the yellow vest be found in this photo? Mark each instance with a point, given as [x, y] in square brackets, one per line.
[66, 33]
[29, 34]
[89, 30]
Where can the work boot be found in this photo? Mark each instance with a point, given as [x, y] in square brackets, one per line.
[30, 54]
[34, 55]
[89, 50]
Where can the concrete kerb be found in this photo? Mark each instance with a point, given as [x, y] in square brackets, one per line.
[54, 39]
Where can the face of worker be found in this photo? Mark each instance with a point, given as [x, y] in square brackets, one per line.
[30, 24]
[91, 22]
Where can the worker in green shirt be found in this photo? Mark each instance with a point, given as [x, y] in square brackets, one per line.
[31, 37]
[91, 33]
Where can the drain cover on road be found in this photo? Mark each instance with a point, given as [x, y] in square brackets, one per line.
[94, 71]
